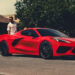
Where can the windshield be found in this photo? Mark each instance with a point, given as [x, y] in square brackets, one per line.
[51, 32]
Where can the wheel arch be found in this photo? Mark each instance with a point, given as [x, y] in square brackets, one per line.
[47, 41]
[10, 47]
[42, 44]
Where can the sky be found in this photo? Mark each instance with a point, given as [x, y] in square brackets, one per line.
[7, 7]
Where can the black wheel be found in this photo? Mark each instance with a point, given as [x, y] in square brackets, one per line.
[45, 50]
[4, 49]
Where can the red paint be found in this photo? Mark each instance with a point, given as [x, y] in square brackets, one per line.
[29, 45]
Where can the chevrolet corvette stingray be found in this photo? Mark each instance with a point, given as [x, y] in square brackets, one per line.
[44, 42]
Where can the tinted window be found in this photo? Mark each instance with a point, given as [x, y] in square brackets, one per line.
[51, 32]
[29, 33]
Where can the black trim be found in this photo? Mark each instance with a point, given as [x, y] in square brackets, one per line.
[73, 51]
[16, 41]
[63, 49]
[24, 50]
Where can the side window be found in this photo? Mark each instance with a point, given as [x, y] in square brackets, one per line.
[33, 33]
[25, 32]
[29, 33]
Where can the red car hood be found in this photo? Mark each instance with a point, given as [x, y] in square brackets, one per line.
[67, 39]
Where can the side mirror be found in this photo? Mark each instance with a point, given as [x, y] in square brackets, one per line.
[33, 37]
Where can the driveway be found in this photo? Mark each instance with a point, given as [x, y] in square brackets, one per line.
[33, 65]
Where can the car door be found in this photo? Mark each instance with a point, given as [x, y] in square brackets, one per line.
[29, 41]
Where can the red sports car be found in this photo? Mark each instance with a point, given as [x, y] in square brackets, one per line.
[42, 42]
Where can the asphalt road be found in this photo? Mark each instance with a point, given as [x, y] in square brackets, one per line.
[33, 65]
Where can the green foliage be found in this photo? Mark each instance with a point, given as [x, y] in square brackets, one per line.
[57, 14]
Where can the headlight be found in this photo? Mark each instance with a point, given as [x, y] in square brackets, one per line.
[59, 40]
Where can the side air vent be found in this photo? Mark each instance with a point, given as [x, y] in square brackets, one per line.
[16, 41]
[63, 49]
[73, 51]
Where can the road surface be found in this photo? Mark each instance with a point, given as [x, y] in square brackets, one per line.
[33, 65]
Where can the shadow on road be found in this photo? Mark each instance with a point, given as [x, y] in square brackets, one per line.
[54, 58]
[29, 56]
[64, 58]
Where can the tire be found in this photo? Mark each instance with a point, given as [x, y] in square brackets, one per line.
[45, 50]
[4, 49]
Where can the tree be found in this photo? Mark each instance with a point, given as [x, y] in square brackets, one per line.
[41, 12]
[57, 14]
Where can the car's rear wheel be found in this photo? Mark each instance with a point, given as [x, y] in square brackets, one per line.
[45, 50]
[4, 48]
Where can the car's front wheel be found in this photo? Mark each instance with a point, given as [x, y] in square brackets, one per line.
[4, 48]
[45, 50]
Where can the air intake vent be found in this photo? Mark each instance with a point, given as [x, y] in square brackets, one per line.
[63, 49]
